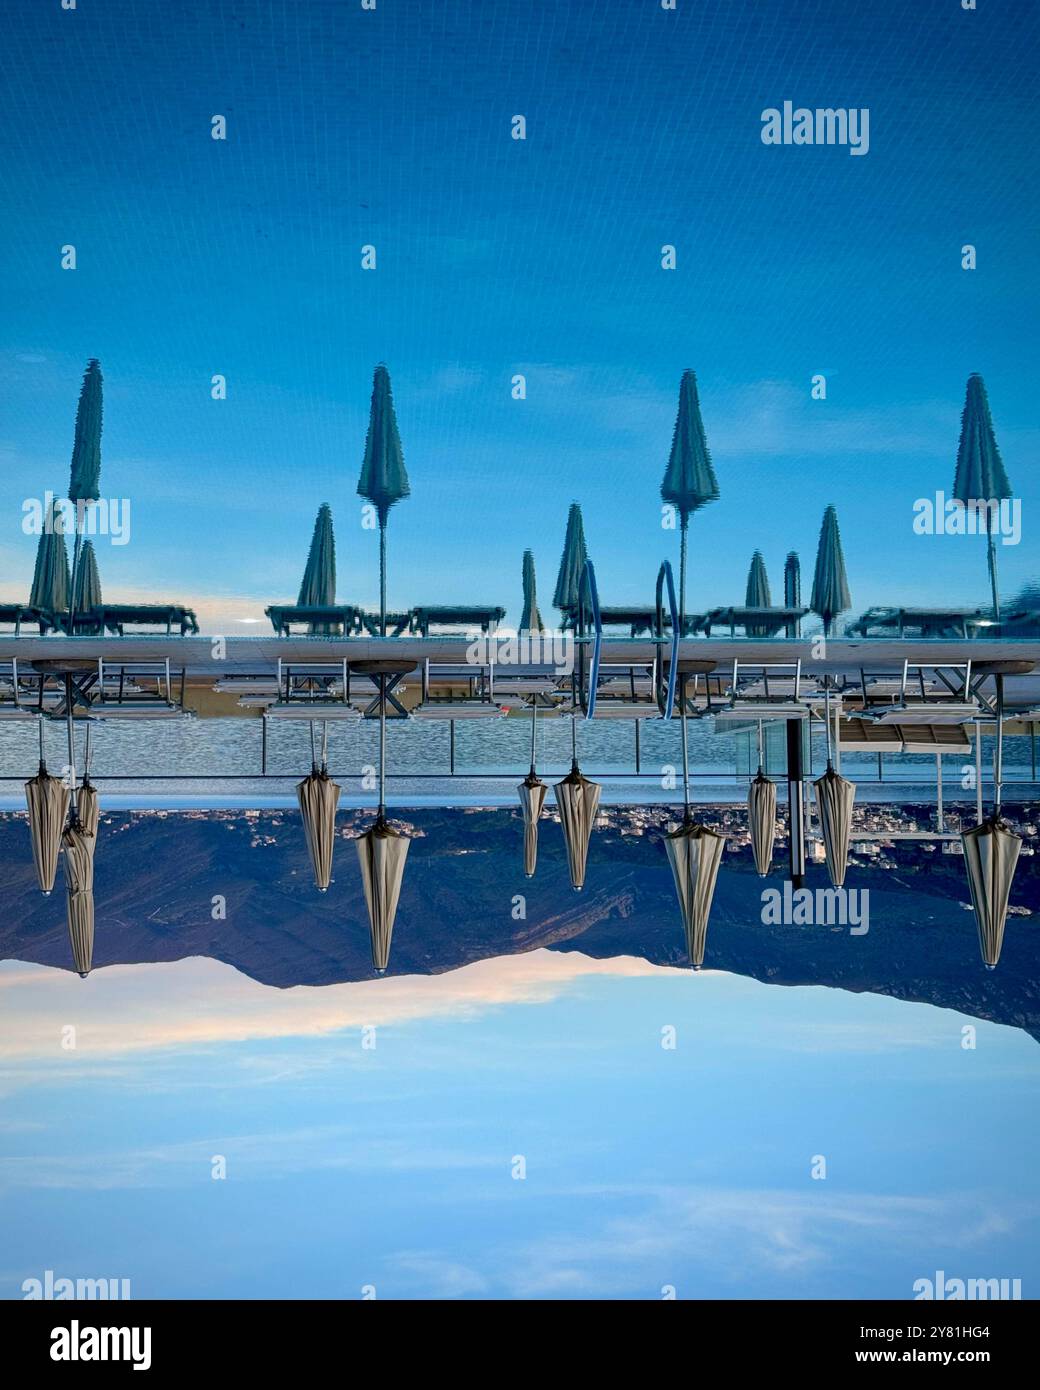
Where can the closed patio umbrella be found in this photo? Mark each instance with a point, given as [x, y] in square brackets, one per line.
[530, 619]
[532, 791]
[384, 478]
[991, 853]
[48, 801]
[762, 815]
[830, 591]
[695, 853]
[980, 475]
[88, 582]
[52, 582]
[756, 593]
[834, 798]
[689, 481]
[578, 800]
[572, 562]
[318, 796]
[381, 854]
[318, 586]
[85, 474]
[77, 845]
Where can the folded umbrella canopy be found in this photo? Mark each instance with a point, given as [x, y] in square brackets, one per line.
[88, 581]
[318, 796]
[85, 473]
[530, 619]
[578, 800]
[695, 853]
[48, 800]
[990, 854]
[830, 591]
[689, 480]
[834, 798]
[79, 916]
[980, 475]
[572, 562]
[532, 791]
[762, 820]
[318, 586]
[52, 584]
[382, 852]
[78, 851]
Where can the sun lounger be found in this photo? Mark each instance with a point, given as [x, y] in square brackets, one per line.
[115, 618]
[20, 613]
[920, 622]
[756, 622]
[340, 619]
[483, 616]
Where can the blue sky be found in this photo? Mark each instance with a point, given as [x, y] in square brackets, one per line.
[392, 1166]
[345, 127]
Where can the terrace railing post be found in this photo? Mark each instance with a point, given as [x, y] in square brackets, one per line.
[795, 804]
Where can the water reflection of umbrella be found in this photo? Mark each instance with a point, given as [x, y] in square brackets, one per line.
[578, 800]
[689, 480]
[48, 801]
[530, 619]
[980, 475]
[572, 562]
[381, 854]
[382, 850]
[830, 591]
[79, 914]
[318, 796]
[532, 792]
[695, 853]
[991, 853]
[77, 845]
[384, 479]
[762, 814]
[834, 797]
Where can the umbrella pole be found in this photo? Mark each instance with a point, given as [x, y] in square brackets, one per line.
[685, 751]
[760, 746]
[382, 578]
[992, 561]
[534, 720]
[978, 771]
[682, 576]
[314, 761]
[940, 817]
[381, 816]
[998, 752]
[324, 745]
[43, 765]
[75, 569]
[574, 741]
[827, 717]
